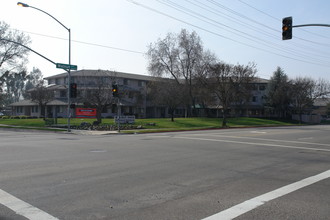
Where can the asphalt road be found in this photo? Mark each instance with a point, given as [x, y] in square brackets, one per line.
[179, 175]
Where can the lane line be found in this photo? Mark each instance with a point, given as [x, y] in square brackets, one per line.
[23, 208]
[255, 144]
[261, 139]
[285, 141]
[253, 203]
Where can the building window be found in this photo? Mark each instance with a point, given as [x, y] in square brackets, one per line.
[125, 81]
[34, 109]
[254, 98]
[19, 109]
[262, 87]
[63, 94]
[140, 83]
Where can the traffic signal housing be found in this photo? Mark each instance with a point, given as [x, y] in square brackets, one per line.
[287, 28]
[114, 90]
[73, 90]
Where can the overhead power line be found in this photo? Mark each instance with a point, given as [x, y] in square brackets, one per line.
[231, 29]
[87, 43]
[278, 19]
[223, 36]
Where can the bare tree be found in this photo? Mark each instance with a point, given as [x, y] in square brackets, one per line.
[11, 53]
[96, 92]
[228, 82]
[42, 96]
[166, 92]
[180, 57]
[305, 91]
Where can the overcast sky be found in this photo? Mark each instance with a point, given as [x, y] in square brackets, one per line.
[115, 34]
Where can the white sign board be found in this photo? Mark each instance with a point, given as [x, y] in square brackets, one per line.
[125, 119]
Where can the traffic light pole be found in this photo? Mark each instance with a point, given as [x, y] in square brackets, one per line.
[306, 25]
[118, 114]
[287, 27]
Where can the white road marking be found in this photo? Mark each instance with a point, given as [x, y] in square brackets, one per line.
[274, 140]
[252, 143]
[22, 208]
[258, 132]
[305, 138]
[262, 139]
[253, 203]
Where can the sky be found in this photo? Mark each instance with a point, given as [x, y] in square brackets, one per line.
[115, 34]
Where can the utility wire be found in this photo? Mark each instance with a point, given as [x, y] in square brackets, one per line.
[277, 19]
[238, 32]
[220, 35]
[302, 47]
[263, 25]
[83, 42]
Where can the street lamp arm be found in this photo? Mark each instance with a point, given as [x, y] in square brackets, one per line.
[51, 16]
[69, 74]
[14, 42]
[29, 6]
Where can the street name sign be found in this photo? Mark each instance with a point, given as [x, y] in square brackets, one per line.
[66, 66]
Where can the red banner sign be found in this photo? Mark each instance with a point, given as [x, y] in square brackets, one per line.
[85, 112]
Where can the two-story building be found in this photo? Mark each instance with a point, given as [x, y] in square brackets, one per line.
[132, 99]
[132, 89]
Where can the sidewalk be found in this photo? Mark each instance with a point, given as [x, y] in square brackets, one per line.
[92, 132]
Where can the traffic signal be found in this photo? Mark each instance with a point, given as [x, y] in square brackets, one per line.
[73, 90]
[287, 28]
[114, 90]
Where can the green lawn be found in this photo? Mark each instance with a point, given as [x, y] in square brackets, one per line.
[159, 123]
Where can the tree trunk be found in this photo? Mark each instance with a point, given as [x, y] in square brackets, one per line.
[99, 116]
[172, 114]
[224, 118]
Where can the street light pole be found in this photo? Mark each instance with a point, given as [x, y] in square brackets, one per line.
[68, 70]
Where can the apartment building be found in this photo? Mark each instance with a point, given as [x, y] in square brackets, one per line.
[133, 99]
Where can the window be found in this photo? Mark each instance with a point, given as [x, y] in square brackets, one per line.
[63, 94]
[262, 87]
[125, 81]
[19, 109]
[254, 98]
[34, 109]
[140, 83]
[61, 109]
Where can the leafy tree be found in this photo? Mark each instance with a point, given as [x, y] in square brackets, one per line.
[278, 93]
[14, 84]
[33, 79]
[180, 57]
[228, 82]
